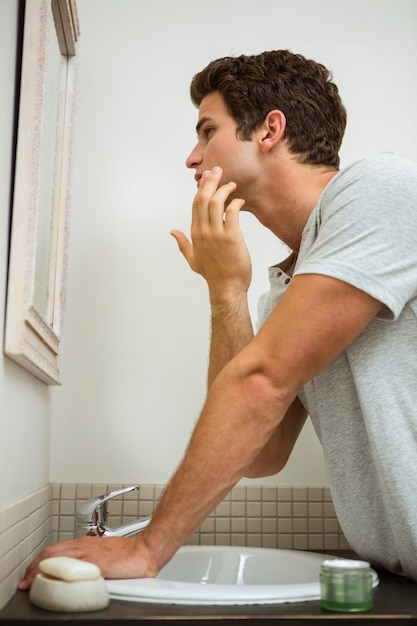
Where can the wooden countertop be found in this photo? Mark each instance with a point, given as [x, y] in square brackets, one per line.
[395, 602]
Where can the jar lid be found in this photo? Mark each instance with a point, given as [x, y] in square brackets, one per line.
[345, 564]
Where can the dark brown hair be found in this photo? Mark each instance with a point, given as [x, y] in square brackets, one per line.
[302, 89]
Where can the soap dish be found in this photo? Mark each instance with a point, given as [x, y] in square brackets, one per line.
[69, 585]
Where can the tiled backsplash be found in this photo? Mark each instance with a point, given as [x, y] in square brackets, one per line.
[25, 528]
[300, 518]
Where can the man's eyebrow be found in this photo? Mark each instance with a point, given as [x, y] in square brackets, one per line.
[201, 122]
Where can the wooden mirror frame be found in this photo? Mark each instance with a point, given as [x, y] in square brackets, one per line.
[33, 338]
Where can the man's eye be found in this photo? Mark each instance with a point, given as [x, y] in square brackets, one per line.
[208, 131]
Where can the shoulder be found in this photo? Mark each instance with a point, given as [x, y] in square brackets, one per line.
[386, 166]
[387, 177]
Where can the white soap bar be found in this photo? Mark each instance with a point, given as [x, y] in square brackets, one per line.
[59, 595]
[68, 569]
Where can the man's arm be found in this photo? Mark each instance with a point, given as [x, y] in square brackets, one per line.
[315, 320]
[275, 454]
[231, 327]
[219, 254]
[231, 331]
[222, 259]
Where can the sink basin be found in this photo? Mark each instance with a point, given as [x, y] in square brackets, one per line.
[228, 575]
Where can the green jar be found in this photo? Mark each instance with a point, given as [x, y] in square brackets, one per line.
[346, 585]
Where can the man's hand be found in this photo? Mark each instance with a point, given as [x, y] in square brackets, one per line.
[117, 557]
[217, 250]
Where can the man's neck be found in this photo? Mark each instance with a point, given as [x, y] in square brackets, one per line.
[290, 199]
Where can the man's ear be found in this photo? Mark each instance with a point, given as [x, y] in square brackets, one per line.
[272, 130]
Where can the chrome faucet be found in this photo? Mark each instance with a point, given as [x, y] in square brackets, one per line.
[91, 518]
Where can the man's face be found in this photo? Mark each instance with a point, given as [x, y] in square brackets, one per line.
[218, 144]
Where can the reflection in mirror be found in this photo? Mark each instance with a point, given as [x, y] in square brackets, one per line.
[41, 202]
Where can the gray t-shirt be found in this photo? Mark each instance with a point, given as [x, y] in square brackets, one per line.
[364, 404]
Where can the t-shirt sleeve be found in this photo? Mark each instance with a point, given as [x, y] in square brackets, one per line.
[364, 231]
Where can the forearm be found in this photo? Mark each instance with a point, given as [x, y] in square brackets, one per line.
[231, 325]
[239, 417]
[219, 254]
[231, 331]
[274, 456]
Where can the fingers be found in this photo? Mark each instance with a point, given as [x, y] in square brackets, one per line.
[185, 245]
[181, 239]
[209, 202]
[216, 239]
[32, 570]
[28, 579]
[116, 557]
[206, 188]
[64, 548]
[231, 219]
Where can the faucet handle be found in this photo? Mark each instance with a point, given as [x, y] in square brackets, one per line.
[94, 511]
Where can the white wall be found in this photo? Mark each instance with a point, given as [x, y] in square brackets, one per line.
[137, 323]
[25, 408]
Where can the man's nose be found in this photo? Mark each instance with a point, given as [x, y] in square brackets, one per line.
[195, 158]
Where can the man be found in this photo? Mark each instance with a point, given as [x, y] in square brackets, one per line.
[339, 337]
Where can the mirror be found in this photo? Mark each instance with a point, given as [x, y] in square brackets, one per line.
[36, 289]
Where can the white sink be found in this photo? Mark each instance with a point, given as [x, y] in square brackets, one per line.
[228, 575]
